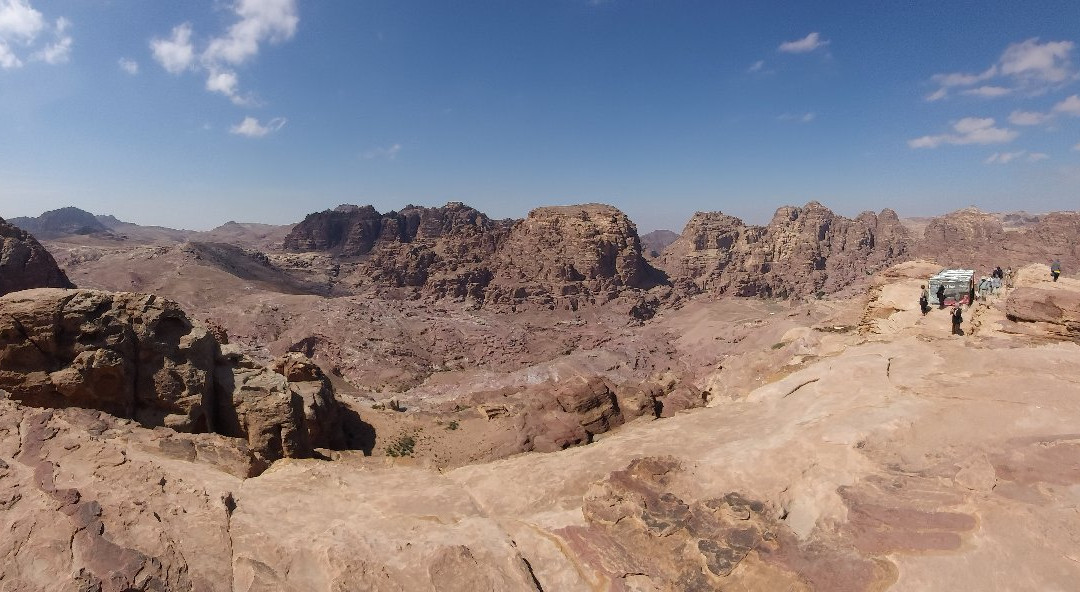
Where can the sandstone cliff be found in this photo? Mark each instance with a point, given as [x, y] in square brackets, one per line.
[802, 251]
[25, 264]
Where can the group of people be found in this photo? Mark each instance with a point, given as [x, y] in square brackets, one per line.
[957, 314]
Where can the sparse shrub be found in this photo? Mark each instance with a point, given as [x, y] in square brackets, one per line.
[404, 445]
[453, 425]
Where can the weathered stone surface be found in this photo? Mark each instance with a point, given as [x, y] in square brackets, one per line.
[25, 264]
[132, 355]
[138, 356]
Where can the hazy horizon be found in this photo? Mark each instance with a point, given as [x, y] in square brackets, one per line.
[192, 114]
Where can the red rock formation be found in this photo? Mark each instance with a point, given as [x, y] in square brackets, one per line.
[802, 251]
[25, 264]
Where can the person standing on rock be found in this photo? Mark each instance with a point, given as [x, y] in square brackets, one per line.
[941, 296]
[957, 318]
[1055, 269]
[1008, 277]
[924, 301]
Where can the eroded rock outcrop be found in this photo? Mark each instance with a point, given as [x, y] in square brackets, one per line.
[138, 356]
[1057, 311]
[801, 251]
[25, 264]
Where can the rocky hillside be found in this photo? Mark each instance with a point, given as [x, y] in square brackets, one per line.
[25, 264]
[802, 251]
[973, 239]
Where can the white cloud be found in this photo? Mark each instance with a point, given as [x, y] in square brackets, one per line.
[19, 22]
[1077, 147]
[1029, 118]
[962, 79]
[176, 53]
[1029, 66]
[389, 153]
[259, 22]
[804, 45]
[59, 51]
[129, 66]
[1037, 156]
[756, 66]
[1070, 106]
[987, 91]
[251, 127]
[20, 27]
[226, 83]
[969, 130]
[1003, 157]
[1045, 62]
[937, 95]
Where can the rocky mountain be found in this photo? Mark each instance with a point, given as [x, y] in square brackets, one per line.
[972, 239]
[553, 255]
[25, 264]
[653, 243]
[61, 222]
[801, 251]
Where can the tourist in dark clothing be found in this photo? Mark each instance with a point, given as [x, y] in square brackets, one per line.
[1055, 269]
[941, 296]
[957, 318]
[924, 300]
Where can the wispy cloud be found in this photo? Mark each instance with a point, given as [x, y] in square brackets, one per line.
[251, 128]
[969, 130]
[797, 117]
[389, 152]
[1029, 118]
[258, 22]
[176, 53]
[1007, 157]
[21, 26]
[1028, 67]
[1070, 106]
[756, 66]
[804, 45]
[128, 65]
[988, 92]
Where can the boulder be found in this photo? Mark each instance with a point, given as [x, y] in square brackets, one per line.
[1058, 308]
[25, 264]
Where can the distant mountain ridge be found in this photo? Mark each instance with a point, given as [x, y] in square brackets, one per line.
[60, 222]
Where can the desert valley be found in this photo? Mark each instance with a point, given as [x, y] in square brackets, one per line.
[431, 399]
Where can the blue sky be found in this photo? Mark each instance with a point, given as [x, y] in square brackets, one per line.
[189, 114]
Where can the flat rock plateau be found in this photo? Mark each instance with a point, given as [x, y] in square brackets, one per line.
[432, 400]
